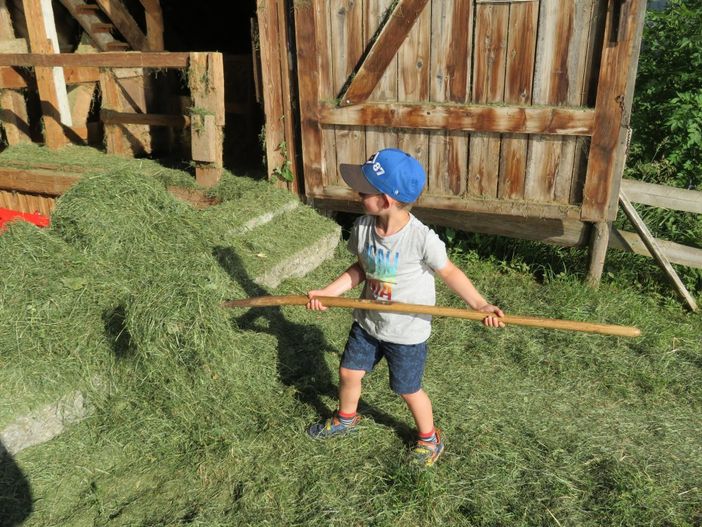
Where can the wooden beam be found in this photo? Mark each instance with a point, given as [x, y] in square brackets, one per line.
[11, 78]
[677, 253]
[13, 108]
[150, 119]
[115, 141]
[512, 119]
[14, 45]
[599, 241]
[88, 20]
[383, 50]
[154, 24]
[50, 82]
[615, 91]
[655, 250]
[206, 81]
[126, 59]
[307, 16]
[47, 182]
[449, 204]
[124, 22]
[663, 196]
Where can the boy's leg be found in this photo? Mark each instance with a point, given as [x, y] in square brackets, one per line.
[406, 364]
[420, 406]
[349, 390]
[360, 356]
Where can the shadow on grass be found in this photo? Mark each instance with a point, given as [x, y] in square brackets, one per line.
[301, 350]
[15, 492]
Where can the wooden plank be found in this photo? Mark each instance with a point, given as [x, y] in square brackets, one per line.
[89, 21]
[413, 71]
[150, 119]
[81, 99]
[289, 125]
[655, 250]
[488, 87]
[675, 252]
[124, 22]
[432, 116]
[663, 196]
[577, 65]
[599, 241]
[520, 208]
[346, 30]
[383, 50]
[13, 108]
[14, 117]
[14, 45]
[612, 110]
[115, 141]
[52, 92]
[519, 77]
[154, 24]
[449, 83]
[206, 81]
[551, 78]
[29, 203]
[567, 233]
[386, 86]
[13, 79]
[273, 77]
[39, 181]
[126, 59]
[307, 17]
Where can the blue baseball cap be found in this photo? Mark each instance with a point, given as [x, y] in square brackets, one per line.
[389, 171]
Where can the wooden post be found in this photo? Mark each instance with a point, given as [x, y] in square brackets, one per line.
[13, 109]
[615, 92]
[599, 241]
[48, 80]
[656, 252]
[154, 24]
[206, 80]
[115, 141]
[277, 101]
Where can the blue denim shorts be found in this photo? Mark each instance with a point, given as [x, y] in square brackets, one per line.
[405, 361]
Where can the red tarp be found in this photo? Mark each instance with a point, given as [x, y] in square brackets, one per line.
[9, 215]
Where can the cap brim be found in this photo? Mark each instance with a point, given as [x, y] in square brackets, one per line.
[354, 178]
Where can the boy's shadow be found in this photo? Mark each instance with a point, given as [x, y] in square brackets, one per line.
[301, 349]
[16, 503]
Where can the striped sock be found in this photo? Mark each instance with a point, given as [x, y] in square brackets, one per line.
[346, 419]
[430, 437]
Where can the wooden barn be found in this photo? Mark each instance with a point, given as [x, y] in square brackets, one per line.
[518, 109]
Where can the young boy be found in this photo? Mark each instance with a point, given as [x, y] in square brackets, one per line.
[397, 258]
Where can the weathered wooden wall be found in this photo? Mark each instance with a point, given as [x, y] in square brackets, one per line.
[498, 99]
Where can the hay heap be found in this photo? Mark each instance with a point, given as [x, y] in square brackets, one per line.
[122, 295]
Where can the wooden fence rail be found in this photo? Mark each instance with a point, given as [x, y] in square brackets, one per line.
[206, 82]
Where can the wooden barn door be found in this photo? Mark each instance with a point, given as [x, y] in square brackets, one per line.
[515, 107]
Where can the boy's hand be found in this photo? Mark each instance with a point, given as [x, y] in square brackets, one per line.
[314, 304]
[492, 322]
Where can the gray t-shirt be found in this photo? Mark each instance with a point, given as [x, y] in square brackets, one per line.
[399, 268]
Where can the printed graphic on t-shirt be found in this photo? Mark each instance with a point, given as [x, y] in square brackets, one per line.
[381, 271]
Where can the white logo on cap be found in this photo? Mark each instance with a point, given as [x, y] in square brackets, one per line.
[377, 167]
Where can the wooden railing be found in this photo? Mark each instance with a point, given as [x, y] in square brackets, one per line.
[642, 242]
[205, 79]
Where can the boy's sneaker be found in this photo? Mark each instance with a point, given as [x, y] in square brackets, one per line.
[332, 427]
[426, 453]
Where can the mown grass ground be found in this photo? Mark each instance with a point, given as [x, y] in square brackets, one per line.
[198, 413]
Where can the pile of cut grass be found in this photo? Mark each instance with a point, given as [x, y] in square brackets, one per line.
[199, 415]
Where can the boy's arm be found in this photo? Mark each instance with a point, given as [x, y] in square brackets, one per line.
[349, 279]
[461, 284]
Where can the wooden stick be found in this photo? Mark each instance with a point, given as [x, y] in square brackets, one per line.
[395, 307]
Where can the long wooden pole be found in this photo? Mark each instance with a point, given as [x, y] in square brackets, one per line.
[394, 307]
